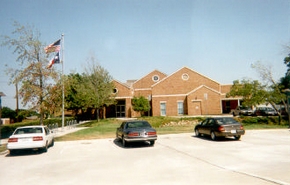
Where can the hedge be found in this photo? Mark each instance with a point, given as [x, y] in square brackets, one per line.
[270, 120]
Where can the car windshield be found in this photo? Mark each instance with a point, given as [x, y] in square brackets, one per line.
[138, 124]
[28, 130]
[226, 121]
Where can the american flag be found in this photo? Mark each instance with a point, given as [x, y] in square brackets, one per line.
[54, 47]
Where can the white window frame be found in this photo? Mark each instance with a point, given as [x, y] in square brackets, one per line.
[163, 109]
[180, 109]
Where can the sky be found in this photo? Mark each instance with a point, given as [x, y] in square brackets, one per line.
[130, 38]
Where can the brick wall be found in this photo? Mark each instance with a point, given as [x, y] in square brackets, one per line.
[210, 101]
[148, 80]
[199, 94]
[191, 87]
[174, 84]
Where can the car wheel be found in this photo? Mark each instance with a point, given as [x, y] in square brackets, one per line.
[212, 136]
[124, 142]
[12, 152]
[117, 138]
[44, 149]
[197, 134]
[152, 143]
[237, 137]
[52, 143]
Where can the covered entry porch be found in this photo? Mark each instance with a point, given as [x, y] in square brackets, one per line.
[229, 104]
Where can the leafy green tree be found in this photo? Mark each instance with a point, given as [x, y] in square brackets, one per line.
[32, 74]
[285, 81]
[96, 87]
[8, 113]
[252, 92]
[22, 114]
[287, 62]
[285, 84]
[255, 93]
[140, 104]
[74, 93]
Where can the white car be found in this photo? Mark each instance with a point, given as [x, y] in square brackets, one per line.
[30, 137]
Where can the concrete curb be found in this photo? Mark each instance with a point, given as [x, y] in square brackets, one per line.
[4, 153]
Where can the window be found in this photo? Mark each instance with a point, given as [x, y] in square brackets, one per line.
[185, 76]
[115, 90]
[46, 131]
[163, 109]
[180, 108]
[155, 78]
[210, 122]
[204, 122]
[138, 124]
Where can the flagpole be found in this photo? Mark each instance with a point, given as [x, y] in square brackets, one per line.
[62, 61]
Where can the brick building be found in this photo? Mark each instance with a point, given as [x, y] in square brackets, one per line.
[185, 92]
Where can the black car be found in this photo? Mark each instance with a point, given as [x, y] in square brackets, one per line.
[265, 111]
[136, 131]
[220, 127]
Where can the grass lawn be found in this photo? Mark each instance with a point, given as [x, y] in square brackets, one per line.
[163, 125]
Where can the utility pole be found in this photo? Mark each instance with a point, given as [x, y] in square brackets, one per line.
[17, 100]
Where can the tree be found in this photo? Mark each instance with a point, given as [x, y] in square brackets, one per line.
[97, 87]
[252, 92]
[287, 62]
[140, 104]
[255, 93]
[285, 81]
[8, 113]
[74, 92]
[32, 74]
[285, 85]
[53, 100]
[273, 88]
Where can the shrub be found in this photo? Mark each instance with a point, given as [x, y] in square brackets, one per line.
[271, 120]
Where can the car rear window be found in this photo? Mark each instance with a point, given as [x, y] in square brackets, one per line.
[138, 124]
[28, 130]
[223, 121]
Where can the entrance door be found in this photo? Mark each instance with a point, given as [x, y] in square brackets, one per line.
[116, 111]
[120, 111]
[196, 108]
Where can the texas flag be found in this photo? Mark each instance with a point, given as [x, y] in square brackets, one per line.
[54, 47]
[55, 60]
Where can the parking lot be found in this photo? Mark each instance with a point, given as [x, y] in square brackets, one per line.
[261, 157]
